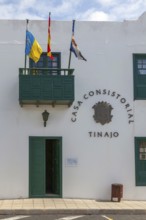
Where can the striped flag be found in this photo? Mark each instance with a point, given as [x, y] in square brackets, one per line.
[74, 47]
[49, 54]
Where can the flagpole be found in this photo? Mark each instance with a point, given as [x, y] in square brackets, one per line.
[73, 26]
[25, 61]
[69, 60]
[49, 53]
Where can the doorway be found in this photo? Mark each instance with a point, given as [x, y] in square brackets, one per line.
[45, 167]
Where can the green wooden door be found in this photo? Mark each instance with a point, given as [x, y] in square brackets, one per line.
[140, 161]
[37, 167]
[45, 167]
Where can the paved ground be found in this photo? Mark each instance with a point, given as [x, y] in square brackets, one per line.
[70, 206]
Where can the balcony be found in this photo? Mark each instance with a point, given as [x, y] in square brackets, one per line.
[40, 86]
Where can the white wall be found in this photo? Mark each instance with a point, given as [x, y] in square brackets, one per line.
[101, 161]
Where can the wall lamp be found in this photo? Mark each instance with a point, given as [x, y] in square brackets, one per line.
[45, 116]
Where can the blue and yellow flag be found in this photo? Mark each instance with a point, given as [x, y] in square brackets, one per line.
[32, 48]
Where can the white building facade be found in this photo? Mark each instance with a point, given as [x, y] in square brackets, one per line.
[97, 139]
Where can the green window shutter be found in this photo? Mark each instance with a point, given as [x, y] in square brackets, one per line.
[37, 167]
[139, 70]
[140, 161]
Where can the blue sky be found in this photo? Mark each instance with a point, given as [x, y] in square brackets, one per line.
[87, 10]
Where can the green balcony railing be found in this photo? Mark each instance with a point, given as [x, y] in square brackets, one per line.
[46, 86]
[45, 71]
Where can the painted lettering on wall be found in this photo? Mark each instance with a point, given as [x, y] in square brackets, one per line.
[100, 134]
[118, 97]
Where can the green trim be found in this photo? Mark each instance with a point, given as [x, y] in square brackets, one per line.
[134, 75]
[59, 174]
[46, 62]
[140, 165]
[136, 160]
[139, 80]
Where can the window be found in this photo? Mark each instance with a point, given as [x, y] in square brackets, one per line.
[140, 161]
[45, 65]
[139, 68]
